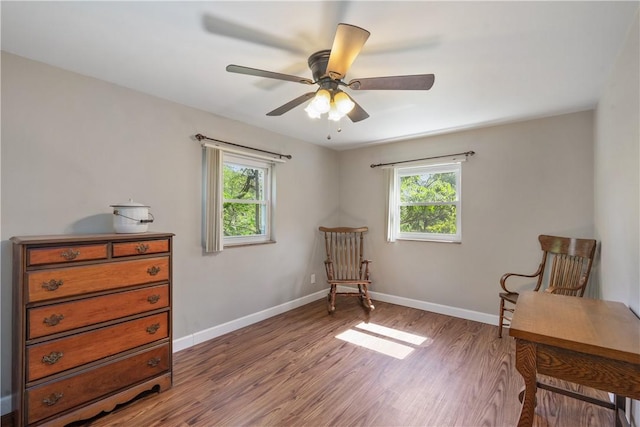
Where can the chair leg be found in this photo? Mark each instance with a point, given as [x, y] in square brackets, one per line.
[367, 300]
[331, 299]
[501, 322]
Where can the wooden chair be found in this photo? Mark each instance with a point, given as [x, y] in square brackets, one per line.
[568, 273]
[345, 264]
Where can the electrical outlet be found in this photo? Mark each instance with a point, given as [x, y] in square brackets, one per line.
[313, 279]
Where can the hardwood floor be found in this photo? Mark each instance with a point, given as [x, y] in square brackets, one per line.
[291, 370]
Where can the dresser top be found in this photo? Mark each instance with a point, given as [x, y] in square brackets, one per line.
[75, 238]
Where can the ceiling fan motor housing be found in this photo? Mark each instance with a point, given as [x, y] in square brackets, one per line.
[318, 63]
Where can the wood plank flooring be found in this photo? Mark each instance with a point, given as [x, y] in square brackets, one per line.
[291, 370]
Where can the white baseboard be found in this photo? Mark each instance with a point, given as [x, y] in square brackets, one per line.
[213, 332]
[461, 313]
[216, 331]
[5, 404]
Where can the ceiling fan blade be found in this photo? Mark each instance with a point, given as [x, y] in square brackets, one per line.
[357, 113]
[222, 27]
[291, 104]
[347, 44]
[414, 82]
[299, 67]
[268, 74]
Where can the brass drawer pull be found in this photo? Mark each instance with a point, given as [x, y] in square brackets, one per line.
[69, 254]
[153, 328]
[153, 270]
[153, 362]
[142, 248]
[53, 320]
[52, 284]
[52, 399]
[52, 358]
[153, 299]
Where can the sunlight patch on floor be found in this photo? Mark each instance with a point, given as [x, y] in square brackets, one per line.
[392, 333]
[381, 345]
[364, 337]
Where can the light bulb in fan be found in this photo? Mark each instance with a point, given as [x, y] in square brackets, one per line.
[312, 112]
[334, 114]
[322, 101]
[343, 103]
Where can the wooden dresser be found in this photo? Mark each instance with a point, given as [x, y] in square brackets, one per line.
[92, 323]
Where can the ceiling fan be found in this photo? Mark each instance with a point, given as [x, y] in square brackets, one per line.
[329, 68]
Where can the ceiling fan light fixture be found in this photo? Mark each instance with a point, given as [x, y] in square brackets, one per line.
[334, 114]
[343, 103]
[322, 101]
[312, 112]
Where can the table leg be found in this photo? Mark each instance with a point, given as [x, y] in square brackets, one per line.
[620, 406]
[526, 365]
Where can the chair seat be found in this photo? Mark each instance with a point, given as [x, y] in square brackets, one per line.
[508, 296]
[349, 282]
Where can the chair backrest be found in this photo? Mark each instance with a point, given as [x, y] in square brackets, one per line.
[345, 252]
[570, 264]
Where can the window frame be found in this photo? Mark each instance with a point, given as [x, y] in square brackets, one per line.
[267, 201]
[455, 167]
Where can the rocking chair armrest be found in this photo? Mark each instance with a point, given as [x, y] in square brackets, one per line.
[504, 278]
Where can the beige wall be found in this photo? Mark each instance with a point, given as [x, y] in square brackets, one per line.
[526, 179]
[73, 145]
[617, 176]
[617, 181]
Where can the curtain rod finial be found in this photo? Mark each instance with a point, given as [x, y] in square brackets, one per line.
[199, 136]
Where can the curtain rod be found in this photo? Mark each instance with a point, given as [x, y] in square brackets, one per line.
[200, 137]
[466, 153]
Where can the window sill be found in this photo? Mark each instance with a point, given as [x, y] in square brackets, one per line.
[407, 239]
[239, 245]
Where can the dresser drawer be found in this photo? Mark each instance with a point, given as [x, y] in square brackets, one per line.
[60, 282]
[51, 398]
[59, 355]
[62, 317]
[140, 248]
[61, 254]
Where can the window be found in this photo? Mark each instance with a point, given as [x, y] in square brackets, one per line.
[246, 216]
[238, 195]
[424, 203]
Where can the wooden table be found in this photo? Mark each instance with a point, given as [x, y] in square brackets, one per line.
[585, 341]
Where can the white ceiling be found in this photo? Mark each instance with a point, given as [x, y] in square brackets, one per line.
[494, 62]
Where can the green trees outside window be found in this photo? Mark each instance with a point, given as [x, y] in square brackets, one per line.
[245, 202]
[427, 202]
[424, 206]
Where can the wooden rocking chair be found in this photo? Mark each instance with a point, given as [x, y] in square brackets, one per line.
[345, 264]
[568, 274]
